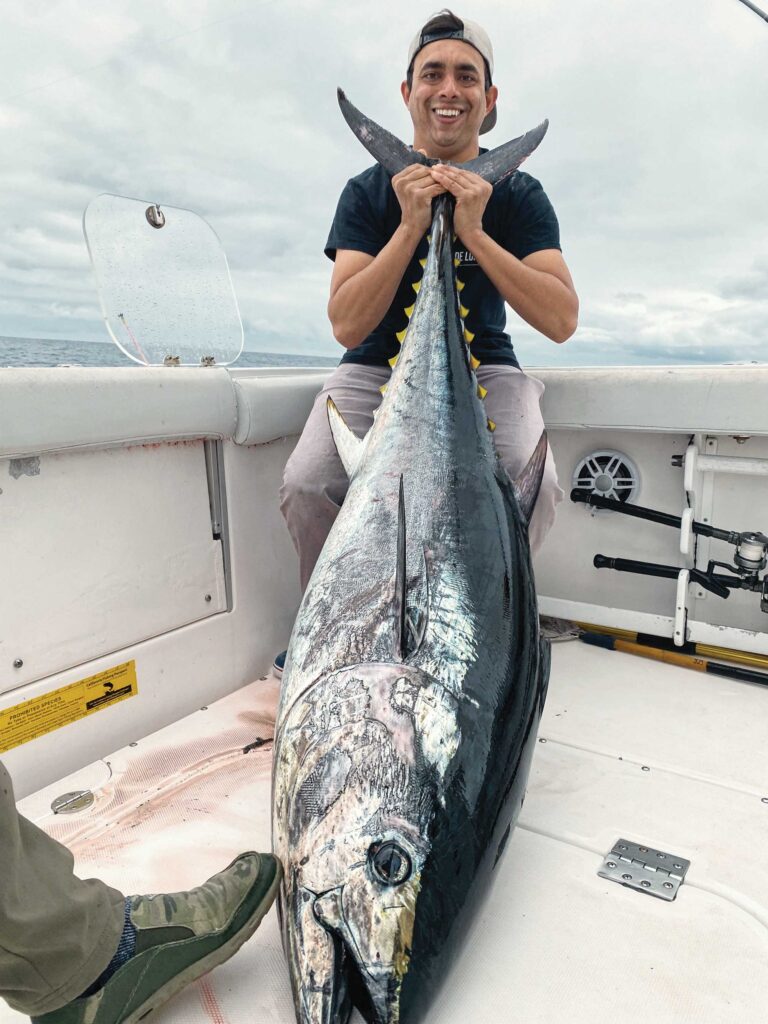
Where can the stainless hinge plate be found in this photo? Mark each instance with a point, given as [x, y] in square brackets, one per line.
[70, 803]
[643, 868]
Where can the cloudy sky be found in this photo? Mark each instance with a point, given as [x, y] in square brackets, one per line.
[656, 160]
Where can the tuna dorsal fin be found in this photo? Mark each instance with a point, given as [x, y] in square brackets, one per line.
[349, 446]
[499, 163]
[401, 581]
[393, 155]
[526, 486]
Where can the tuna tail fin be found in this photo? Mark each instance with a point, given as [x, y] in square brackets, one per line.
[349, 446]
[499, 163]
[393, 155]
[526, 486]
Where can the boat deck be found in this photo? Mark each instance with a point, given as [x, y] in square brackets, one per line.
[652, 753]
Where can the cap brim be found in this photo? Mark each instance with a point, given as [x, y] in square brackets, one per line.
[488, 122]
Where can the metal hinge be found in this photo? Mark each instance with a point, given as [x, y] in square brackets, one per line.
[640, 867]
[70, 803]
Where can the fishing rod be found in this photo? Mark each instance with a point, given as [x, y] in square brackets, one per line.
[753, 7]
[749, 560]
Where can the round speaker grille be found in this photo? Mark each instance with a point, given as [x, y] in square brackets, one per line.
[609, 474]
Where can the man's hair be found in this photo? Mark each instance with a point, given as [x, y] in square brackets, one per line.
[444, 21]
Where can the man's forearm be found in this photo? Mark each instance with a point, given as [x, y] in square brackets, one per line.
[361, 302]
[540, 298]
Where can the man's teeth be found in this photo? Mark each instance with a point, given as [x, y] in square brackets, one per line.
[447, 113]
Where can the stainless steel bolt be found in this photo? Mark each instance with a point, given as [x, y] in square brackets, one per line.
[668, 885]
[627, 878]
[17, 662]
[645, 883]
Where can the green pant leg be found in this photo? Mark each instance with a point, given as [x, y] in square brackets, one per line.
[57, 933]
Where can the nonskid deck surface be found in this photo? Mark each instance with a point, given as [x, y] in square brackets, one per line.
[634, 749]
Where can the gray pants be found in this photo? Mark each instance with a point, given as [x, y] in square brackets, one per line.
[315, 482]
[57, 933]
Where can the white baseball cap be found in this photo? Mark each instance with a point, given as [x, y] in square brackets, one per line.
[468, 32]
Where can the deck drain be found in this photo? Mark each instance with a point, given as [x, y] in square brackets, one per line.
[645, 869]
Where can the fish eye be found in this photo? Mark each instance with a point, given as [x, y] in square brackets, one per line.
[390, 863]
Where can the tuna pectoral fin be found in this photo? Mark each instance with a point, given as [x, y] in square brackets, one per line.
[499, 163]
[401, 580]
[410, 619]
[349, 446]
[393, 155]
[527, 485]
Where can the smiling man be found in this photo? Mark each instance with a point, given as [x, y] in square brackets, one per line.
[507, 250]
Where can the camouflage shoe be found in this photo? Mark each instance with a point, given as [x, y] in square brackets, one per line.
[179, 937]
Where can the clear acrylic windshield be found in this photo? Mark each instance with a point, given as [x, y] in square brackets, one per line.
[165, 290]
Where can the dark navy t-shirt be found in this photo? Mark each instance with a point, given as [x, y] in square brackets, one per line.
[519, 217]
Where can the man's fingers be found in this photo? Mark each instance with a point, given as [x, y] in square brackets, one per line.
[413, 172]
[465, 179]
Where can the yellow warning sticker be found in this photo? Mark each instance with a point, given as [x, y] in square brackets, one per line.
[40, 715]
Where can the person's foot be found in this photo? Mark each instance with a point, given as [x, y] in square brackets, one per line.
[279, 664]
[178, 937]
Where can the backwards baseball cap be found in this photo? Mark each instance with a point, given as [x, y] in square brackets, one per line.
[446, 25]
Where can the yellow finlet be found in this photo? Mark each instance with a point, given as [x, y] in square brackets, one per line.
[416, 285]
[459, 285]
[423, 262]
[481, 391]
[456, 263]
[383, 388]
[400, 335]
[468, 336]
[409, 310]
[474, 363]
[491, 425]
[393, 360]
[463, 312]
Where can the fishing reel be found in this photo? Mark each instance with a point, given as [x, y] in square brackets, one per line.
[749, 560]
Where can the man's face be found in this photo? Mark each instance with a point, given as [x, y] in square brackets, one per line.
[447, 101]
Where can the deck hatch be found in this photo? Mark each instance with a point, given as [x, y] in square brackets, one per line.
[645, 869]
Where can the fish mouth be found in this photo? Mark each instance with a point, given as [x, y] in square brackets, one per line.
[332, 974]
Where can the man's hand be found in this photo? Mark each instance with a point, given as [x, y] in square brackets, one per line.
[471, 193]
[415, 188]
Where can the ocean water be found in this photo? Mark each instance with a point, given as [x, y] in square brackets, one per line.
[47, 352]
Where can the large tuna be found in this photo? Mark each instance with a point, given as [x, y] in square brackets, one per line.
[415, 675]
